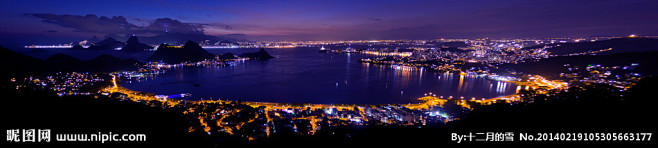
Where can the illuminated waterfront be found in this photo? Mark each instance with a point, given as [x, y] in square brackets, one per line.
[302, 75]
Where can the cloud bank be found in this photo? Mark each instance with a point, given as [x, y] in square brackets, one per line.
[118, 25]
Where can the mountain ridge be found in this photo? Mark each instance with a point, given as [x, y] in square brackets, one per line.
[190, 52]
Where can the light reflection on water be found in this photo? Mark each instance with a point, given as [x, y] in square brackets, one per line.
[302, 75]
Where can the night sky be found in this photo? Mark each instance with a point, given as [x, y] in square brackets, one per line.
[329, 20]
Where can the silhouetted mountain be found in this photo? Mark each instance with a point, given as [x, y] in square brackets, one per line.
[77, 47]
[94, 39]
[583, 109]
[107, 44]
[177, 38]
[618, 45]
[552, 67]
[227, 56]
[260, 55]
[165, 128]
[191, 52]
[108, 41]
[17, 64]
[62, 58]
[38, 50]
[534, 46]
[115, 36]
[134, 45]
[109, 63]
[62, 62]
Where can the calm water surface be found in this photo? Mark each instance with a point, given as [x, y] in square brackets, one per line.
[302, 75]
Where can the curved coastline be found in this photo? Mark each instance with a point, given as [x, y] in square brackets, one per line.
[426, 101]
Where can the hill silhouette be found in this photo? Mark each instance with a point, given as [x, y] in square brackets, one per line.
[17, 64]
[134, 45]
[94, 39]
[79, 114]
[177, 38]
[77, 47]
[260, 55]
[618, 45]
[109, 63]
[226, 56]
[107, 44]
[63, 62]
[552, 67]
[190, 52]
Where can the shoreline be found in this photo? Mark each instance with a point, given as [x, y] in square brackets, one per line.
[426, 101]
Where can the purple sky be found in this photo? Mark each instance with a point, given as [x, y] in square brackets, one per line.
[331, 20]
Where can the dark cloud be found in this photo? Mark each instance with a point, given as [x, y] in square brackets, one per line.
[375, 19]
[50, 31]
[171, 25]
[219, 25]
[227, 27]
[90, 23]
[118, 24]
